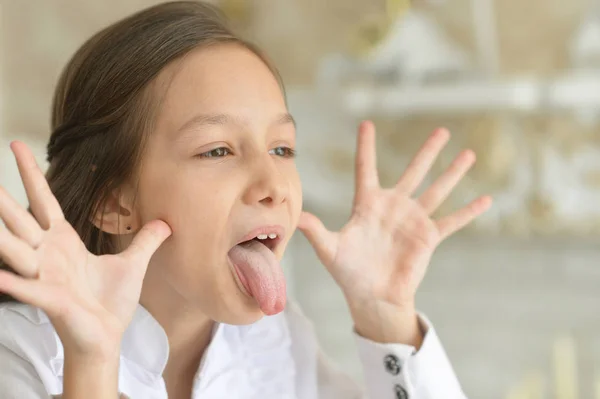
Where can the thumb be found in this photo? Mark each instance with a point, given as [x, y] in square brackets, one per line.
[322, 240]
[147, 241]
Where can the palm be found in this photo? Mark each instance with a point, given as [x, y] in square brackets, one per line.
[384, 249]
[85, 296]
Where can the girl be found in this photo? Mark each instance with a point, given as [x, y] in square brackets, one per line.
[149, 261]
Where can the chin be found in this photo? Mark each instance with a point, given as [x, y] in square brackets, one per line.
[236, 308]
[245, 311]
[250, 317]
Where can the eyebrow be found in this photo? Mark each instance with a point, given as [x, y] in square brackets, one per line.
[227, 119]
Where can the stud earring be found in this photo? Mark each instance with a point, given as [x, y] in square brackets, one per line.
[128, 228]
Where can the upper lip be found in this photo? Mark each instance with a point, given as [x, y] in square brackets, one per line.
[266, 229]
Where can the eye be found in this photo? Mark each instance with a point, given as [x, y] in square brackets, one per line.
[285, 152]
[216, 153]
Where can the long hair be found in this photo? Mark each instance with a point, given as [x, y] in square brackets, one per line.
[104, 105]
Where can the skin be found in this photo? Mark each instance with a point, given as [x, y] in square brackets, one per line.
[239, 118]
[194, 202]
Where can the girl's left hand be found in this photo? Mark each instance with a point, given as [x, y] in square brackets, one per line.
[380, 256]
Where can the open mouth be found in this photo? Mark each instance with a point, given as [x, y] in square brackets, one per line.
[257, 270]
[269, 241]
[269, 236]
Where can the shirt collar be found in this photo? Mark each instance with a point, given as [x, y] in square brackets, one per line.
[146, 344]
[265, 344]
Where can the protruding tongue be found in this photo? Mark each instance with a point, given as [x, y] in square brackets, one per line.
[260, 274]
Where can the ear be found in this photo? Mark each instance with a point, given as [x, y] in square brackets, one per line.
[117, 215]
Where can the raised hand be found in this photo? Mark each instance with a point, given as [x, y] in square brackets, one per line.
[380, 256]
[89, 299]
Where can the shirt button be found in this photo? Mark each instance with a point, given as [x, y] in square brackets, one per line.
[392, 364]
[400, 392]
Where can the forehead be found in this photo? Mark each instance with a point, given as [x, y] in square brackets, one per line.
[219, 79]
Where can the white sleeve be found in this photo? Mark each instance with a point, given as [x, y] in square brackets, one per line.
[391, 371]
[18, 378]
[394, 371]
[397, 371]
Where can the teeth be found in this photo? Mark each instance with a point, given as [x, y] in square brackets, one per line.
[265, 236]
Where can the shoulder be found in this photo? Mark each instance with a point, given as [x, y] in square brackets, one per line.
[292, 308]
[23, 324]
[10, 310]
[21, 319]
[302, 332]
[305, 350]
[296, 319]
[27, 335]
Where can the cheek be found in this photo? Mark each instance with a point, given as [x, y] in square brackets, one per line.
[199, 221]
[177, 191]
[296, 199]
[198, 213]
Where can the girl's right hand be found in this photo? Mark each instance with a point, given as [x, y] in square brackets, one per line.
[89, 299]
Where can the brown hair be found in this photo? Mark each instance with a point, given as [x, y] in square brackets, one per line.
[102, 108]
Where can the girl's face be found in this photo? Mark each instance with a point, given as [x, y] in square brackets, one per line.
[218, 167]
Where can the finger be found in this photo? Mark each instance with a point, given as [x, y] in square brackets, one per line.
[17, 254]
[24, 290]
[147, 241]
[20, 222]
[452, 223]
[366, 177]
[433, 197]
[43, 204]
[422, 162]
[322, 240]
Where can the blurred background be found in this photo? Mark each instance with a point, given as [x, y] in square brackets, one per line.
[516, 297]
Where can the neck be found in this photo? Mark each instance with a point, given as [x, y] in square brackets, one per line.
[189, 331]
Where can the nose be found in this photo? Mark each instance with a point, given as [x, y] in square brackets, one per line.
[268, 185]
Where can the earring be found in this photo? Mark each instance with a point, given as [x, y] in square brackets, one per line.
[128, 228]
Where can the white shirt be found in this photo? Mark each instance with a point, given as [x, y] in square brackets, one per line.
[275, 358]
